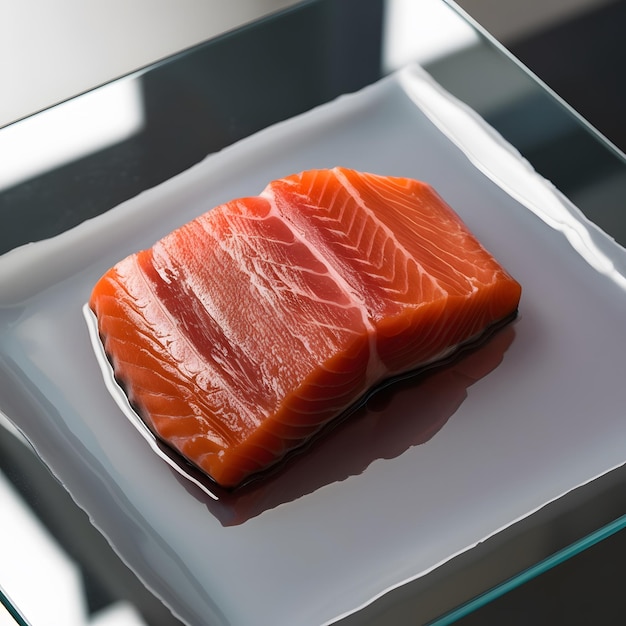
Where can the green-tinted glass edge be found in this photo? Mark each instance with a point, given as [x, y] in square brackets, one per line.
[539, 568]
[12, 609]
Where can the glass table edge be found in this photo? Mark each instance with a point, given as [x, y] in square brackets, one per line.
[492, 41]
[12, 609]
[532, 572]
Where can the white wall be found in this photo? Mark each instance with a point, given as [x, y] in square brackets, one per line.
[53, 49]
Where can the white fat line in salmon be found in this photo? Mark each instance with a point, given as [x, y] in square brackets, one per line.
[375, 368]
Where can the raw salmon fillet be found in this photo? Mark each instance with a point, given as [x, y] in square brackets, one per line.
[238, 336]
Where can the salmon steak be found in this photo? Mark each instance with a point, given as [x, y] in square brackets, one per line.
[243, 333]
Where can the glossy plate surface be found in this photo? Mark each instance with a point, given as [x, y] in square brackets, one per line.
[428, 470]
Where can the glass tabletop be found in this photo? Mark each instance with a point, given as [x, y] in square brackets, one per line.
[82, 158]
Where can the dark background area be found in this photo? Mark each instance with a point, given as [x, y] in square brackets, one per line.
[584, 61]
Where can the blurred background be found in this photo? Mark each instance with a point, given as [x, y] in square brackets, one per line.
[52, 51]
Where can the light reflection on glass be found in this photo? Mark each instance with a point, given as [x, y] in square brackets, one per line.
[422, 31]
[69, 131]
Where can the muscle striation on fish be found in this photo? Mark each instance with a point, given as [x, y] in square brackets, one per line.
[240, 335]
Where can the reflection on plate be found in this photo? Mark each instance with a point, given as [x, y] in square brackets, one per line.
[519, 422]
[379, 429]
[375, 428]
